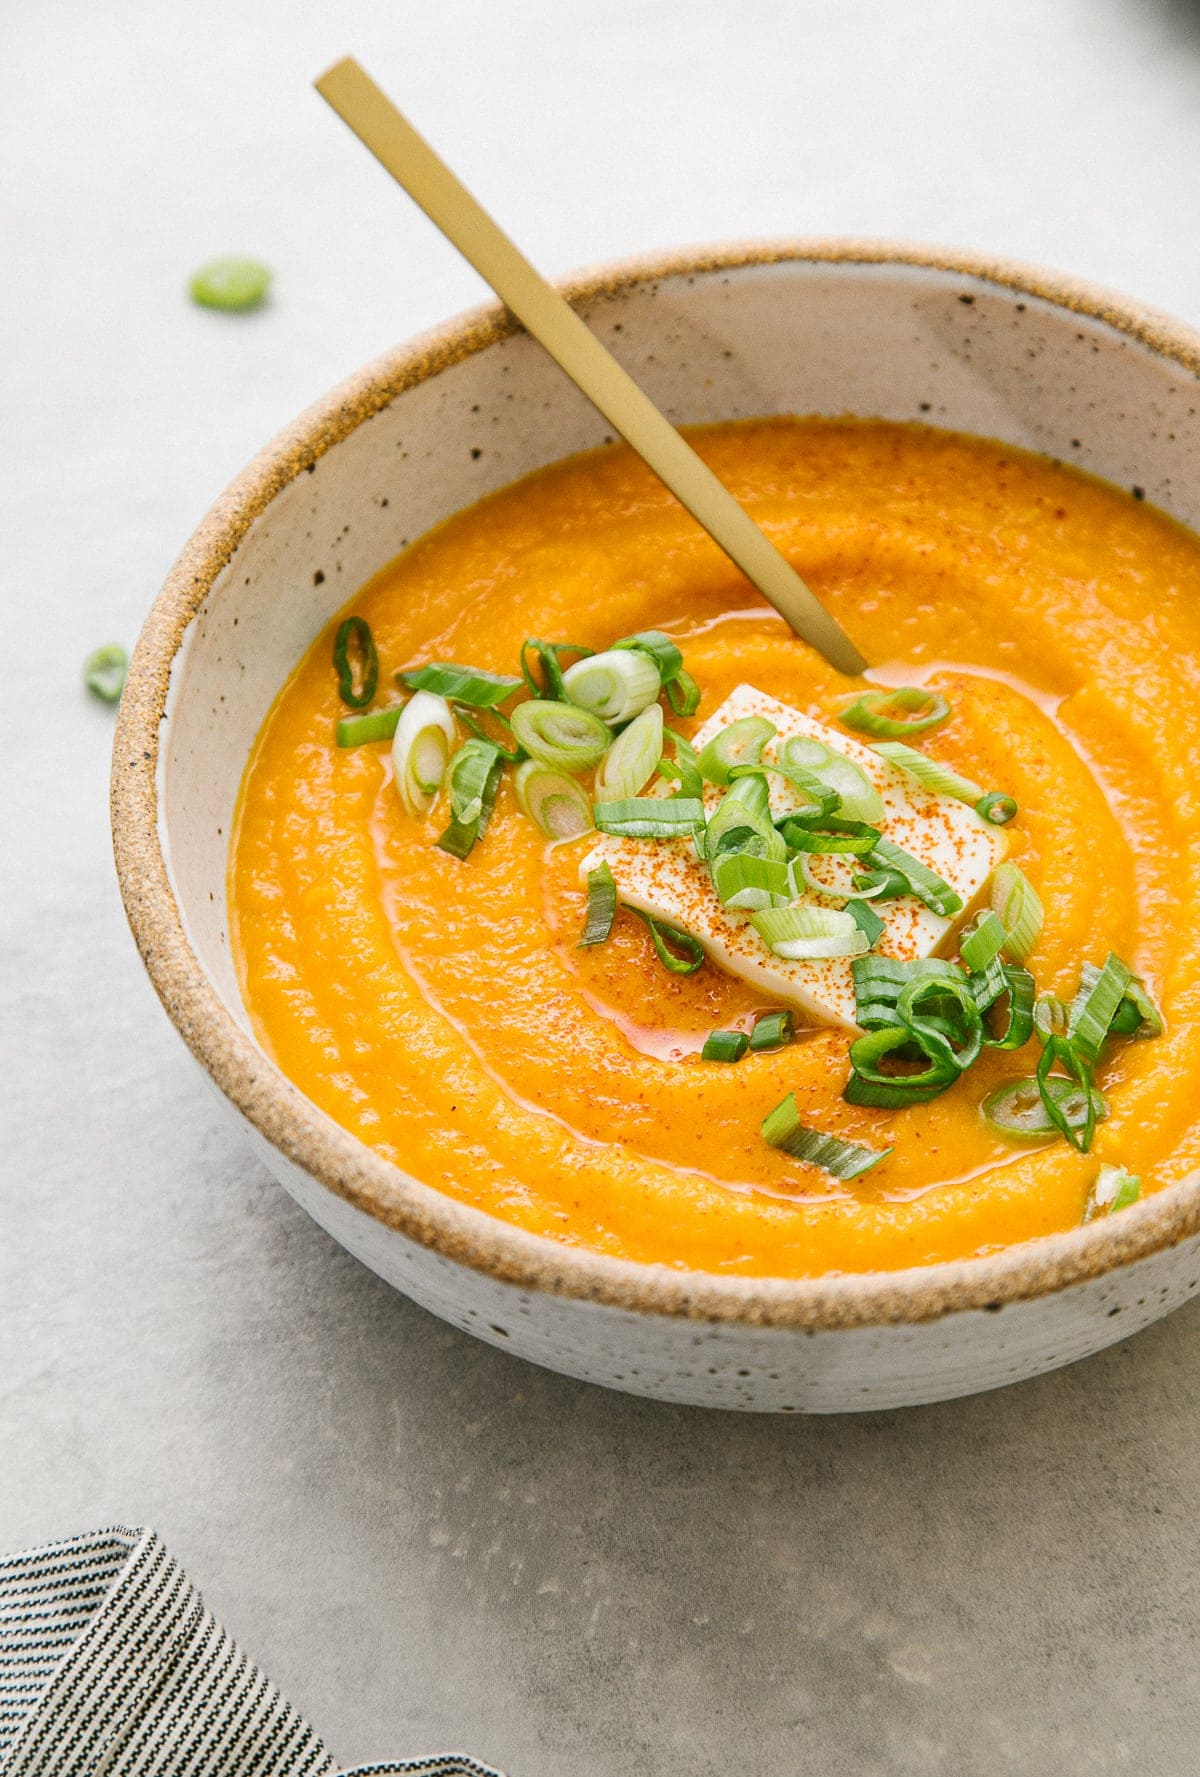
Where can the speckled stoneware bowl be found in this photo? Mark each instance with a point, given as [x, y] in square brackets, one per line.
[792, 327]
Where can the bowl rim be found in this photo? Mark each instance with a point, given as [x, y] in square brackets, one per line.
[303, 1133]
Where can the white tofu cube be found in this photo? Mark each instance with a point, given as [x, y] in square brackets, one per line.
[663, 877]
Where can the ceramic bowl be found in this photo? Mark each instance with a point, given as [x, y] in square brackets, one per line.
[793, 327]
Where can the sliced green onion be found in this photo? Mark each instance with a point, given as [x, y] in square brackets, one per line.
[843, 1160]
[552, 799]
[831, 836]
[686, 769]
[473, 719]
[1095, 1007]
[1061, 1052]
[474, 777]
[353, 637]
[929, 773]
[650, 817]
[867, 920]
[461, 684]
[1050, 1017]
[725, 1045]
[421, 750]
[809, 934]
[997, 808]
[801, 881]
[773, 1030]
[1018, 908]
[745, 804]
[880, 980]
[1018, 987]
[357, 731]
[560, 734]
[661, 649]
[616, 686]
[881, 885]
[1137, 1016]
[1115, 1188]
[549, 656]
[669, 941]
[232, 282]
[104, 672]
[633, 758]
[895, 714]
[940, 1013]
[683, 693]
[739, 744]
[601, 907]
[982, 941]
[1019, 1108]
[923, 882]
[748, 883]
[871, 1083]
[858, 797]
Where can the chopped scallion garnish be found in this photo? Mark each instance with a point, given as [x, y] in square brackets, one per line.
[1077, 1073]
[896, 714]
[739, 744]
[1095, 1007]
[683, 693]
[474, 777]
[887, 1070]
[923, 882]
[1115, 1188]
[686, 769]
[773, 1030]
[866, 919]
[997, 808]
[931, 774]
[549, 655]
[808, 934]
[725, 1045]
[461, 684]
[475, 719]
[357, 731]
[676, 949]
[1016, 904]
[601, 906]
[650, 817]
[747, 882]
[421, 749]
[633, 758]
[561, 734]
[984, 939]
[1020, 1111]
[552, 799]
[616, 686]
[355, 662]
[843, 1160]
[104, 672]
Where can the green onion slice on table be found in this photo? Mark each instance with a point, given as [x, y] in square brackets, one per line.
[421, 746]
[355, 661]
[561, 734]
[474, 776]
[552, 799]
[895, 714]
[632, 759]
[461, 684]
[840, 1159]
[104, 672]
[232, 282]
[601, 907]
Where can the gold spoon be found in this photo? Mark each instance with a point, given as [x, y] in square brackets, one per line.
[411, 161]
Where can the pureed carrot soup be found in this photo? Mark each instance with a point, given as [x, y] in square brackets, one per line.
[869, 977]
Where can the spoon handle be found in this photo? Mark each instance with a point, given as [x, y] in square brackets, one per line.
[446, 201]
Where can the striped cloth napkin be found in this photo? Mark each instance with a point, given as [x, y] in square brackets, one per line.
[110, 1666]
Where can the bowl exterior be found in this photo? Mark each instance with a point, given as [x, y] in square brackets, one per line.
[829, 328]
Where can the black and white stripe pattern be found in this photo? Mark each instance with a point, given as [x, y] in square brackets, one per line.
[110, 1666]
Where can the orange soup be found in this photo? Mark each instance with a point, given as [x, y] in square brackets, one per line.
[442, 1010]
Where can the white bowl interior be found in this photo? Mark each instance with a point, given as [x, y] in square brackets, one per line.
[888, 340]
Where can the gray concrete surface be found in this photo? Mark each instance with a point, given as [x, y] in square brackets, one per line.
[425, 1542]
